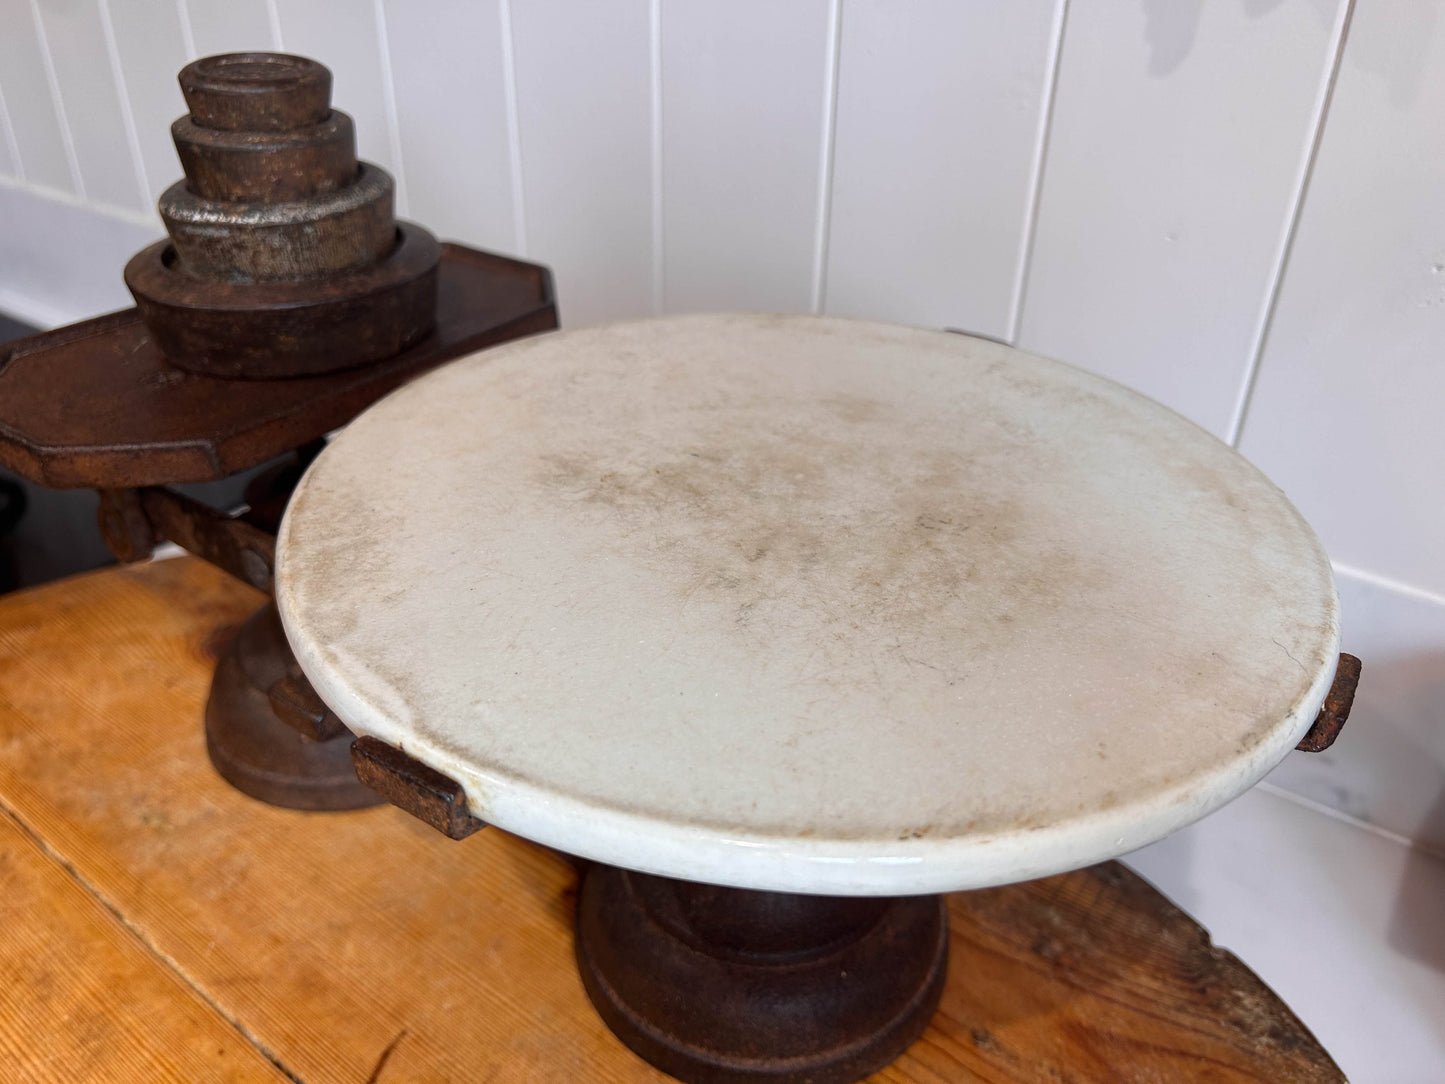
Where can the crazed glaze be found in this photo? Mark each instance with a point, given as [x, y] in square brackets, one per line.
[807, 604]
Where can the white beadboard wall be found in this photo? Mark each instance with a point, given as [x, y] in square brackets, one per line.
[1234, 207]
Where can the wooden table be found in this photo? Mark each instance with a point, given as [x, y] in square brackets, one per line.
[157, 925]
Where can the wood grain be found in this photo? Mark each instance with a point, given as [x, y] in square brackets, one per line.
[82, 999]
[361, 946]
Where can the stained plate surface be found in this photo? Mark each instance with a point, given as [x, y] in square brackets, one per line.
[808, 604]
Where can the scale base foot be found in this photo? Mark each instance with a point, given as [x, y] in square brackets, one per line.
[729, 985]
[256, 752]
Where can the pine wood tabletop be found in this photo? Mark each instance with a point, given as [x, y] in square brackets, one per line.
[156, 925]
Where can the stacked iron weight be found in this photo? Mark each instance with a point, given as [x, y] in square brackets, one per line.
[284, 257]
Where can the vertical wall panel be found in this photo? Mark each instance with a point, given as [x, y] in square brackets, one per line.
[451, 106]
[9, 160]
[343, 35]
[585, 106]
[1346, 414]
[1178, 138]
[151, 46]
[38, 132]
[88, 90]
[1175, 150]
[63, 259]
[230, 26]
[938, 112]
[743, 87]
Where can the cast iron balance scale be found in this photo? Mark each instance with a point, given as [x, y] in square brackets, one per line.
[782, 625]
[286, 300]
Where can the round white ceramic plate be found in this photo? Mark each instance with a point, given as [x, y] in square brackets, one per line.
[807, 604]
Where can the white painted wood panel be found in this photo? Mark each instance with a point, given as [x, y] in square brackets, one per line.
[938, 114]
[67, 258]
[39, 135]
[1388, 765]
[743, 95]
[1179, 133]
[451, 107]
[230, 26]
[343, 35]
[150, 42]
[584, 99]
[109, 171]
[9, 156]
[1346, 413]
[1177, 139]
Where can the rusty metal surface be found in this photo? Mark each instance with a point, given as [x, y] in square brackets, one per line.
[1338, 701]
[282, 240]
[265, 165]
[729, 985]
[263, 292]
[96, 405]
[296, 704]
[261, 91]
[267, 494]
[285, 259]
[124, 526]
[409, 784]
[133, 521]
[259, 753]
[229, 543]
[294, 303]
[270, 330]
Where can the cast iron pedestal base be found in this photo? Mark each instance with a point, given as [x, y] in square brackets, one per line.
[722, 984]
[255, 751]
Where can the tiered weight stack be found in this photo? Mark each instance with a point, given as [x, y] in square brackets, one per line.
[284, 262]
[284, 256]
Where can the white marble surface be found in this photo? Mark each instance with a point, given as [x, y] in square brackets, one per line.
[807, 604]
[1345, 924]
